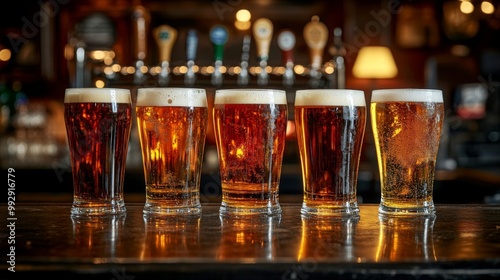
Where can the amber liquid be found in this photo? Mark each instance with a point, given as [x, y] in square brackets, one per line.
[250, 140]
[98, 136]
[172, 143]
[330, 140]
[407, 138]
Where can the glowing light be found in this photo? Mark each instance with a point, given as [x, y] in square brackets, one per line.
[487, 7]
[466, 7]
[100, 84]
[243, 15]
[5, 55]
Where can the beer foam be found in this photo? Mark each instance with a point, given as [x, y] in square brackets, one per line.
[329, 97]
[407, 95]
[183, 97]
[97, 95]
[250, 96]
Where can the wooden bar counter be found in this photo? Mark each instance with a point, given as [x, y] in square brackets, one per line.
[462, 242]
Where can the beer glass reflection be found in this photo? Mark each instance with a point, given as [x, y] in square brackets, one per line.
[405, 238]
[407, 127]
[325, 238]
[330, 128]
[172, 124]
[248, 238]
[250, 127]
[171, 236]
[94, 235]
[98, 124]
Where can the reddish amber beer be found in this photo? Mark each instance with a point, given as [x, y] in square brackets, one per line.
[98, 123]
[250, 127]
[172, 124]
[330, 125]
[407, 128]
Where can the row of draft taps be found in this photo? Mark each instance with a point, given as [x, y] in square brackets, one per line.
[330, 74]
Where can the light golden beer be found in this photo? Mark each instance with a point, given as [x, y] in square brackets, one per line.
[250, 127]
[407, 127]
[98, 124]
[330, 127]
[172, 124]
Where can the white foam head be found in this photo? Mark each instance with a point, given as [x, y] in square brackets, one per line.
[97, 95]
[182, 97]
[407, 95]
[250, 96]
[329, 97]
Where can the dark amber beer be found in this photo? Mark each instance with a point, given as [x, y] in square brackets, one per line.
[98, 123]
[330, 125]
[407, 127]
[172, 124]
[250, 127]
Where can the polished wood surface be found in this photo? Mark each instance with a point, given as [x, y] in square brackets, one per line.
[462, 242]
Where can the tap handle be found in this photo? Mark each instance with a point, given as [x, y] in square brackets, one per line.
[316, 35]
[165, 37]
[191, 45]
[141, 19]
[218, 37]
[263, 33]
[286, 42]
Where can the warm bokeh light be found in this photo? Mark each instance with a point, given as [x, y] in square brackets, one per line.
[5, 55]
[100, 84]
[243, 15]
[466, 7]
[487, 7]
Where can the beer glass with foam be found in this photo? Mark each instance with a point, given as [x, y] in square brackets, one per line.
[98, 124]
[330, 125]
[250, 127]
[172, 124]
[406, 126]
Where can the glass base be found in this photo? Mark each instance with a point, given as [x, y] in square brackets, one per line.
[427, 210]
[97, 209]
[347, 210]
[156, 209]
[269, 211]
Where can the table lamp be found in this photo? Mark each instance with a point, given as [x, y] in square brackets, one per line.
[374, 62]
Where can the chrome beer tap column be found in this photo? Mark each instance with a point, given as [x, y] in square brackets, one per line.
[338, 52]
[218, 37]
[165, 37]
[243, 77]
[315, 35]
[191, 47]
[141, 19]
[286, 42]
[263, 33]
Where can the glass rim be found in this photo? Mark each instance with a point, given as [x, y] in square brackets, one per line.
[330, 97]
[171, 97]
[97, 95]
[250, 96]
[407, 95]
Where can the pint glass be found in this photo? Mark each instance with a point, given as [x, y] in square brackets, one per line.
[406, 127]
[250, 127]
[172, 124]
[330, 125]
[98, 124]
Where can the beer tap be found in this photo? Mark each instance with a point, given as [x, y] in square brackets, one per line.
[218, 37]
[191, 46]
[243, 77]
[315, 35]
[338, 52]
[263, 32]
[286, 42]
[165, 37]
[141, 19]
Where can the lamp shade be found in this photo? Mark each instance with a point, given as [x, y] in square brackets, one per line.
[375, 62]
